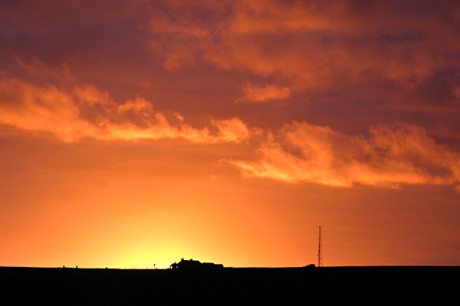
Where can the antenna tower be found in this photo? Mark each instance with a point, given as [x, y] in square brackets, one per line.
[320, 256]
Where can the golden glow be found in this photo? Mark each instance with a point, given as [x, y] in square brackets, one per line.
[228, 131]
[161, 256]
[400, 154]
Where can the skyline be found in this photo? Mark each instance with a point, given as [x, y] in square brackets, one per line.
[134, 133]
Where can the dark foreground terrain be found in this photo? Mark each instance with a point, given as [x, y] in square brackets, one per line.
[231, 286]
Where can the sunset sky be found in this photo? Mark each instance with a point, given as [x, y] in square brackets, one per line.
[134, 133]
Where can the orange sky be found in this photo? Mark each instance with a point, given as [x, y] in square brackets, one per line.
[134, 133]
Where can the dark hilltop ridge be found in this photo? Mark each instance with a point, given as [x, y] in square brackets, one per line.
[191, 282]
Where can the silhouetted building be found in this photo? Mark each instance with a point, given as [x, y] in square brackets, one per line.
[195, 265]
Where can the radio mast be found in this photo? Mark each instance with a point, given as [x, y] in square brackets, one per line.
[320, 256]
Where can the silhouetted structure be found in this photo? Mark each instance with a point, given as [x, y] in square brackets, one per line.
[195, 265]
[320, 244]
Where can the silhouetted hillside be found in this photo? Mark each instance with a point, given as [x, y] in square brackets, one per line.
[230, 286]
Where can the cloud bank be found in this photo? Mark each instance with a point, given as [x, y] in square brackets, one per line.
[387, 62]
[310, 45]
[388, 156]
[87, 112]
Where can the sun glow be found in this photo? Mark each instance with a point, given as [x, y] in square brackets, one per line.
[149, 257]
[226, 131]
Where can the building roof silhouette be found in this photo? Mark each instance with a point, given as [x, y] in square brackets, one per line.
[192, 264]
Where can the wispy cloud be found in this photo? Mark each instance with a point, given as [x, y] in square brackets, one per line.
[42, 109]
[88, 112]
[232, 129]
[388, 156]
[263, 93]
